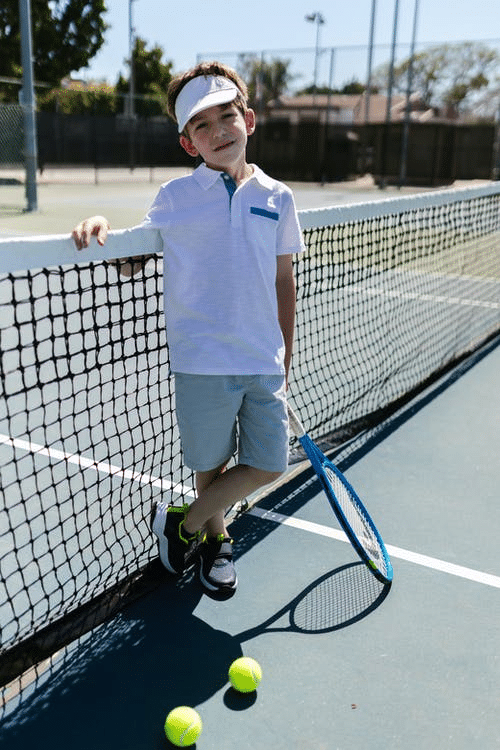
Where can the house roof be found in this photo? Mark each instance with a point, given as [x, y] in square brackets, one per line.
[355, 103]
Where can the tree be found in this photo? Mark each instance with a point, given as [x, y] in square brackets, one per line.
[470, 69]
[448, 75]
[151, 79]
[66, 36]
[487, 107]
[265, 81]
[94, 98]
[354, 87]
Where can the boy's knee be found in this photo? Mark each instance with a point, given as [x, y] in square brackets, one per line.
[266, 477]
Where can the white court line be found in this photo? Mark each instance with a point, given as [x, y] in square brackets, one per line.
[297, 523]
[374, 292]
[98, 466]
[401, 554]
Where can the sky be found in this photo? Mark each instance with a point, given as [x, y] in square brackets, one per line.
[210, 28]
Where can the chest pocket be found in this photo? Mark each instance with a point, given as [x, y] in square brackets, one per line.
[264, 213]
[263, 227]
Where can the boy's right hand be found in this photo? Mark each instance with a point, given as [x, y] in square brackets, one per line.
[96, 226]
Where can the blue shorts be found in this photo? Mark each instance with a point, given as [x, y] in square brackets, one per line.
[210, 408]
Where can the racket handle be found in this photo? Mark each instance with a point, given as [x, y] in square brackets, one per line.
[295, 423]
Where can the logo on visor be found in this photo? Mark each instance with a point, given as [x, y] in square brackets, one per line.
[222, 83]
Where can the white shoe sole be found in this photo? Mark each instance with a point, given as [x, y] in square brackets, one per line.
[158, 526]
[211, 587]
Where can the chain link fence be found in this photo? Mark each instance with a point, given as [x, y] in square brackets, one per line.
[337, 67]
[11, 135]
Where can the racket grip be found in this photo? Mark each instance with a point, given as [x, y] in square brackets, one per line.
[295, 423]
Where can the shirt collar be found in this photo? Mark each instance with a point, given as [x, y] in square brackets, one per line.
[206, 177]
[262, 177]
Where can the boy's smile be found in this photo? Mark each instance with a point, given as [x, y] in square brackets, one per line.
[224, 145]
[219, 135]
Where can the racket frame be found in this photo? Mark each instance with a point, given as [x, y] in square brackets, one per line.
[319, 461]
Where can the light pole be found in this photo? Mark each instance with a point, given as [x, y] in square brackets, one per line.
[370, 63]
[319, 20]
[131, 44]
[385, 139]
[366, 131]
[406, 127]
[131, 89]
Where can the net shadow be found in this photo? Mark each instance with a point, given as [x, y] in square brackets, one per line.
[159, 641]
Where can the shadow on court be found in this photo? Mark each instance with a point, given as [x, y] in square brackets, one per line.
[115, 688]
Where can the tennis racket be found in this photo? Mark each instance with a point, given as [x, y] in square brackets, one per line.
[350, 511]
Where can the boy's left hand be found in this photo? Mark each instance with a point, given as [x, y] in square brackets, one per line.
[96, 226]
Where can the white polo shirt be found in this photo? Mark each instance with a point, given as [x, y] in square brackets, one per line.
[220, 271]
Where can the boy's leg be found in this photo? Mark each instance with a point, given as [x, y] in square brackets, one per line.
[262, 450]
[207, 409]
[225, 490]
[177, 543]
[215, 494]
[215, 525]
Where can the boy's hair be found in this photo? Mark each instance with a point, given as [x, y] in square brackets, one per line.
[206, 69]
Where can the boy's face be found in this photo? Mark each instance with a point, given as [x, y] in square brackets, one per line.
[219, 135]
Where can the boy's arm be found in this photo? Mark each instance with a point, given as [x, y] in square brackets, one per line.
[285, 294]
[98, 227]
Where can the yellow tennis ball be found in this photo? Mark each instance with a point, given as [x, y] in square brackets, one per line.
[245, 674]
[183, 726]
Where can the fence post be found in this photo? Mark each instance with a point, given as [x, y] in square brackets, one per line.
[28, 105]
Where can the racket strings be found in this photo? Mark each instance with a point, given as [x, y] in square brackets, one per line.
[356, 519]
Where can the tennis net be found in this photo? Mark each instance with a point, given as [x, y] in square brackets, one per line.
[389, 294]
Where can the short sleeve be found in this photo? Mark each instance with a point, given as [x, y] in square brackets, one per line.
[160, 212]
[289, 237]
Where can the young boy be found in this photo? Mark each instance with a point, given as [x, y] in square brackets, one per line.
[229, 232]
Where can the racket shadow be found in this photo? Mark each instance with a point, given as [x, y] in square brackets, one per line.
[336, 600]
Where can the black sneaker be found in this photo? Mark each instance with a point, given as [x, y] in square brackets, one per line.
[176, 552]
[217, 573]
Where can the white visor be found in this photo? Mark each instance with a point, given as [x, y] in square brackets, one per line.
[201, 93]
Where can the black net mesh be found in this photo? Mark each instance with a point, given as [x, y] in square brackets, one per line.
[88, 439]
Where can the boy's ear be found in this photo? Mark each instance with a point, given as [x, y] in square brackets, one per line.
[250, 121]
[188, 146]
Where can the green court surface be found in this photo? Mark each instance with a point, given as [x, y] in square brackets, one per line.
[347, 662]
[412, 667]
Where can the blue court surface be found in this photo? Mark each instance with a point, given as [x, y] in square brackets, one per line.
[346, 662]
